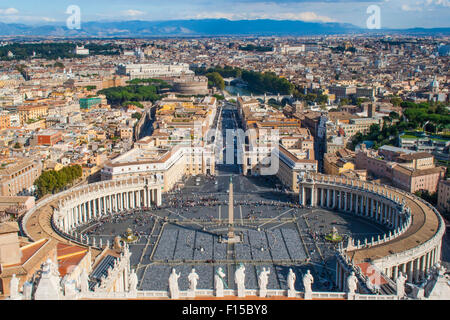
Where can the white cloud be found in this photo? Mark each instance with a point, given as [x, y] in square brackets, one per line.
[429, 5]
[311, 16]
[9, 11]
[443, 3]
[406, 7]
[46, 19]
[302, 16]
[132, 13]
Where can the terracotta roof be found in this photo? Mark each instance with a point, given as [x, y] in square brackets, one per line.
[414, 156]
[374, 276]
[32, 255]
[69, 256]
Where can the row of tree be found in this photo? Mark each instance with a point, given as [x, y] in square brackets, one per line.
[315, 96]
[52, 181]
[257, 82]
[380, 137]
[430, 116]
[53, 51]
[252, 47]
[119, 95]
[434, 115]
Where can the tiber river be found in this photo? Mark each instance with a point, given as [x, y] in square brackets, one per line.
[233, 90]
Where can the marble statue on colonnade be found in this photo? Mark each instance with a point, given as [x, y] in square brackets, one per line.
[263, 280]
[401, 279]
[219, 282]
[173, 284]
[70, 291]
[308, 280]
[352, 284]
[84, 281]
[27, 290]
[14, 288]
[239, 279]
[291, 284]
[133, 282]
[193, 280]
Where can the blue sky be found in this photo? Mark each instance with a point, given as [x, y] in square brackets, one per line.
[394, 13]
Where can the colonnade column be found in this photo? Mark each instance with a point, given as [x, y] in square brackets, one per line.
[322, 197]
[328, 198]
[90, 209]
[351, 201]
[158, 197]
[334, 198]
[367, 206]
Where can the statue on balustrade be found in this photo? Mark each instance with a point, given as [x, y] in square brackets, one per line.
[133, 282]
[193, 279]
[84, 281]
[219, 282]
[291, 283]
[173, 284]
[352, 283]
[70, 290]
[263, 281]
[14, 288]
[308, 280]
[401, 279]
[239, 279]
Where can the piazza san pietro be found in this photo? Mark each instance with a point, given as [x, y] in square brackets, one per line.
[235, 165]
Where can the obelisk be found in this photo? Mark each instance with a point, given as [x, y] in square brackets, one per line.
[230, 210]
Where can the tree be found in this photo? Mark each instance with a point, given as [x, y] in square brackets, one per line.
[216, 80]
[344, 101]
[427, 196]
[90, 88]
[136, 115]
[52, 181]
[396, 101]
[59, 65]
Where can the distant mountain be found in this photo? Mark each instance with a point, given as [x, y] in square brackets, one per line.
[204, 27]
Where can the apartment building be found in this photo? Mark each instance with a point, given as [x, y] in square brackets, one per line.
[31, 112]
[146, 71]
[405, 175]
[19, 176]
[169, 163]
[443, 203]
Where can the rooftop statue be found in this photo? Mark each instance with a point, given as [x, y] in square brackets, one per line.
[400, 282]
[308, 280]
[173, 285]
[291, 280]
[352, 283]
[263, 280]
[219, 282]
[239, 279]
[193, 279]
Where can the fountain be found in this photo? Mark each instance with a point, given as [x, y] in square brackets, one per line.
[129, 236]
[333, 236]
